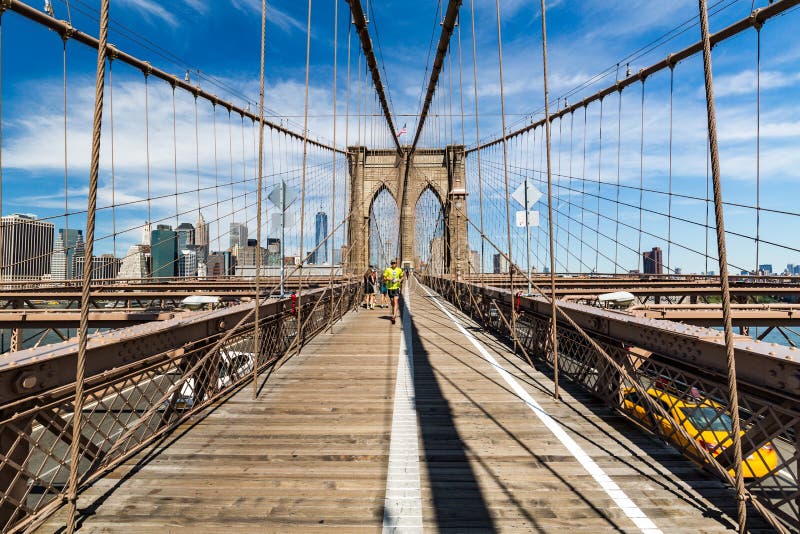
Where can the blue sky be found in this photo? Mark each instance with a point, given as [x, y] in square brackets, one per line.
[585, 38]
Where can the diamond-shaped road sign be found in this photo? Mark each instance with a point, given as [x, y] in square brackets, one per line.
[533, 218]
[275, 196]
[533, 194]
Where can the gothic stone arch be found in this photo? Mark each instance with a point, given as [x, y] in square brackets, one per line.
[406, 177]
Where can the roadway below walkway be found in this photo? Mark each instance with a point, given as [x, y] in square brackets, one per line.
[430, 424]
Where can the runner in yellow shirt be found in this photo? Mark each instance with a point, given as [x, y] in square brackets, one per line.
[394, 279]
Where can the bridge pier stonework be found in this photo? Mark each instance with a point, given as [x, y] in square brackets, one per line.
[406, 177]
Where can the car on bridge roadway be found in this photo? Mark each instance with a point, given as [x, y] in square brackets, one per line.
[703, 419]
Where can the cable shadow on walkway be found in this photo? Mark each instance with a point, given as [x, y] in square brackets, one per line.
[456, 494]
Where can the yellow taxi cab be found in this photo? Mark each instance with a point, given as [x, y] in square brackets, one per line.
[705, 420]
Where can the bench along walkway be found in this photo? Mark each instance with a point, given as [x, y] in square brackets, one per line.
[428, 424]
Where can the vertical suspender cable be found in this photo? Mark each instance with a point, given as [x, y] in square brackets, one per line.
[303, 186]
[669, 196]
[461, 82]
[583, 183]
[197, 167]
[599, 181]
[619, 155]
[216, 181]
[83, 331]
[333, 152]
[569, 189]
[758, 144]
[69, 272]
[348, 208]
[505, 172]
[553, 331]
[1, 150]
[723, 269]
[147, 141]
[257, 300]
[641, 184]
[175, 154]
[113, 166]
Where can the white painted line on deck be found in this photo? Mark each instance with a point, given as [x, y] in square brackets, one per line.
[402, 511]
[609, 486]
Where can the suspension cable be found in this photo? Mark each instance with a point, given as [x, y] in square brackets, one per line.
[257, 301]
[723, 271]
[553, 331]
[83, 331]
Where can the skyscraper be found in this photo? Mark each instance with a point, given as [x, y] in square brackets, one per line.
[164, 251]
[146, 229]
[27, 247]
[186, 235]
[652, 261]
[321, 227]
[62, 264]
[187, 263]
[500, 264]
[238, 235]
[201, 238]
[79, 252]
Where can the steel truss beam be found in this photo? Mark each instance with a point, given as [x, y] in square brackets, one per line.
[448, 24]
[360, 22]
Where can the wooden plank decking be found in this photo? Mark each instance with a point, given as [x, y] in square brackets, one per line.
[311, 453]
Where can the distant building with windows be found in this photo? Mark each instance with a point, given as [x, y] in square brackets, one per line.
[499, 264]
[187, 263]
[238, 235]
[765, 268]
[321, 227]
[185, 233]
[136, 263]
[104, 267]
[63, 260]
[202, 238]
[652, 263]
[27, 247]
[164, 252]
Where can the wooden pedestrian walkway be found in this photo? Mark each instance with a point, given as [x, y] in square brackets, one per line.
[329, 444]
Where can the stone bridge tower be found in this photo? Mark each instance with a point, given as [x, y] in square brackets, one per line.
[406, 177]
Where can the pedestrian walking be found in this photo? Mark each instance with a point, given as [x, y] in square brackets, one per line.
[384, 293]
[393, 276]
[370, 287]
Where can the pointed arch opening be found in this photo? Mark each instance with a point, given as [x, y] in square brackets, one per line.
[384, 228]
[430, 243]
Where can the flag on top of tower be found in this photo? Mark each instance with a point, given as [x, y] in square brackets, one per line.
[402, 131]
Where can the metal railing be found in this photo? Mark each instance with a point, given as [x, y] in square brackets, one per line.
[682, 369]
[141, 383]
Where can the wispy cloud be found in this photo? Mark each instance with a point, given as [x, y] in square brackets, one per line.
[152, 11]
[279, 18]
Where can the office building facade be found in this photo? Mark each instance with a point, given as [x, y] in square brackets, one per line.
[238, 235]
[652, 261]
[164, 252]
[321, 230]
[27, 247]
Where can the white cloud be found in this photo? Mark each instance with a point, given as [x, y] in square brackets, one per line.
[152, 11]
[278, 17]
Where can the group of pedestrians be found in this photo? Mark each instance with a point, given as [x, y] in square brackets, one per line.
[388, 284]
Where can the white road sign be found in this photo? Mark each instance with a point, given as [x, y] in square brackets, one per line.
[533, 194]
[533, 218]
[275, 196]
